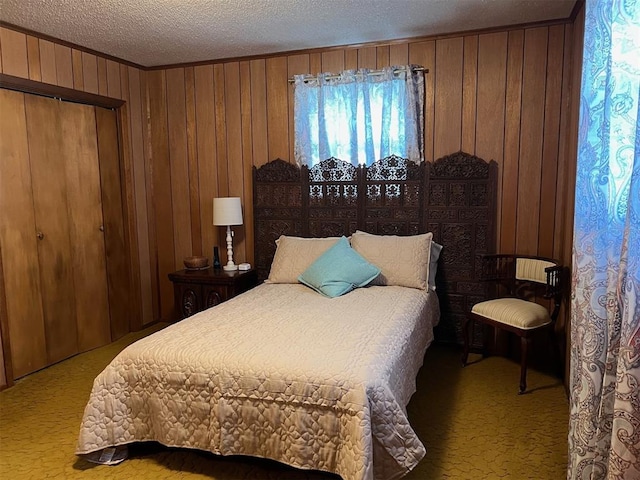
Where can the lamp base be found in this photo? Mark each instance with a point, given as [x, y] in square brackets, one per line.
[230, 268]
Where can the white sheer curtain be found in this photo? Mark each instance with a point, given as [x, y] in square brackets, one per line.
[359, 116]
[604, 430]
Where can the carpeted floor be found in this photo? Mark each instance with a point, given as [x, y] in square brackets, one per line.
[471, 420]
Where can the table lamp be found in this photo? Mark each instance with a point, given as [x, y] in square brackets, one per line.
[227, 211]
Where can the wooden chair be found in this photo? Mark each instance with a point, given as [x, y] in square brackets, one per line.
[525, 279]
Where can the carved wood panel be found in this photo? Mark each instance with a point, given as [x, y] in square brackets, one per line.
[460, 210]
[333, 188]
[213, 299]
[394, 197]
[277, 209]
[189, 303]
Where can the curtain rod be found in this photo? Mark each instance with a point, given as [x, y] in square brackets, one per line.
[371, 72]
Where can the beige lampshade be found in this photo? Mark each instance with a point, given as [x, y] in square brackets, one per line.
[227, 211]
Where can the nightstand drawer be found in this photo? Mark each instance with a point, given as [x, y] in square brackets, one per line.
[198, 290]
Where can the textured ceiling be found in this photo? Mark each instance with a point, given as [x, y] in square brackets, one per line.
[161, 32]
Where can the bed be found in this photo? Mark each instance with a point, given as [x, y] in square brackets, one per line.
[286, 372]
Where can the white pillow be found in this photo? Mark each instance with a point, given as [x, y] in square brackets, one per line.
[294, 255]
[403, 260]
[436, 248]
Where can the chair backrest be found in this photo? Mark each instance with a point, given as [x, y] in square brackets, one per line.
[526, 276]
[532, 269]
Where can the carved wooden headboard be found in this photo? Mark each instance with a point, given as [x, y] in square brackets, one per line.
[453, 197]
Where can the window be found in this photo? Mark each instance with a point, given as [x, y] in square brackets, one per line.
[360, 116]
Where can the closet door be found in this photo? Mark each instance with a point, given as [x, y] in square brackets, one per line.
[114, 222]
[19, 242]
[68, 213]
[86, 225]
[52, 238]
[48, 176]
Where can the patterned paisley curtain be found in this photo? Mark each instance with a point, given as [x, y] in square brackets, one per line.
[604, 436]
[359, 116]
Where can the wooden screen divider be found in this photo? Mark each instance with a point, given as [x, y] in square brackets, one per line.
[453, 197]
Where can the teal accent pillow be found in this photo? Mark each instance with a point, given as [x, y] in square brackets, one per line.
[338, 271]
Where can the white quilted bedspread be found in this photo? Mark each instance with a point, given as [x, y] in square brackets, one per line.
[279, 372]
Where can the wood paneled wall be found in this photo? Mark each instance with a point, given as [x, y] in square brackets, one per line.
[501, 96]
[195, 132]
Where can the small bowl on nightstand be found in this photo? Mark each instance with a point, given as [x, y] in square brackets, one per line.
[196, 263]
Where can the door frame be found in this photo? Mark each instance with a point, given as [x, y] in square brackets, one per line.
[6, 376]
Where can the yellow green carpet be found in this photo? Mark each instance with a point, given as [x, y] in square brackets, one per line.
[471, 420]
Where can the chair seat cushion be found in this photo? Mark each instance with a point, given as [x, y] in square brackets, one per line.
[514, 311]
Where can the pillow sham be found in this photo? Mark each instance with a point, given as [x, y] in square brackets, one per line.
[436, 248]
[338, 271]
[403, 260]
[294, 255]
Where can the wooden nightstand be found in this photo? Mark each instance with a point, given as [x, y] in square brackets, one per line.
[197, 290]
